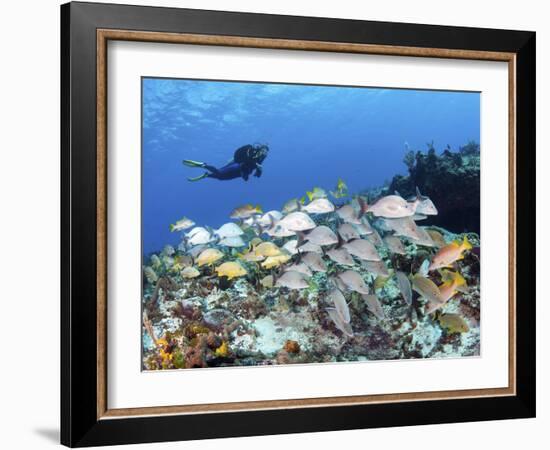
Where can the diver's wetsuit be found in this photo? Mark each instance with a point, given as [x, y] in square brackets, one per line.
[247, 159]
[231, 171]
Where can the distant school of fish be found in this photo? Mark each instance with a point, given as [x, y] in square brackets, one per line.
[312, 233]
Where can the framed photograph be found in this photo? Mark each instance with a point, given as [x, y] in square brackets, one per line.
[276, 224]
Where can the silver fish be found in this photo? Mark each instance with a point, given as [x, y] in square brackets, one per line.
[424, 238]
[292, 280]
[296, 221]
[232, 241]
[340, 304]
[366, 225]
[404, 287]
[319, 206]
[353, 281]
[362, 230]
[310, 247]
[195, 251]
[314, 262]
[392, 207]
[376, 267]
[423, 204]
[340, 256]
[404, 227]
[279, 231]
[374, 306]
[347, 232]
[199, 236]
[382, 224]
[375, 239]
[416, 217]
[322, 235]
[194, 231]
[340, 324]
[265, 221]
[300, 268]
[395, 245]
[228, 230]
[269, 218]
[362, 249]
[426, 207]
[348, 214]
[337, 282]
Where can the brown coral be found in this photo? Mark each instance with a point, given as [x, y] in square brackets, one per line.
[167, 285]
[291, 346]
[195, 356]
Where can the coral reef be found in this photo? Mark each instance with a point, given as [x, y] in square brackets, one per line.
[450, 179]
[325, 280]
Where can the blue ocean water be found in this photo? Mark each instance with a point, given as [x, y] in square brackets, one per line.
[316, 134]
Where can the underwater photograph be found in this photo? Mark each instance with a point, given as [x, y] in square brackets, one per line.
[296, 223]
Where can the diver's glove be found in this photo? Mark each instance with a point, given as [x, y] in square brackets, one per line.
[258, 172]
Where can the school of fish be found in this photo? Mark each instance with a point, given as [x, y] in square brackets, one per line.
[322, 233]
[346, 249]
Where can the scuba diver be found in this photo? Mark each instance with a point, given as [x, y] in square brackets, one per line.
[247, 159]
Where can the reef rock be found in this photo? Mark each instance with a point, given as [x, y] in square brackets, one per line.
[450, 179]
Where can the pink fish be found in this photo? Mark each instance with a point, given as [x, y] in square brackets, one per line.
[449, 254]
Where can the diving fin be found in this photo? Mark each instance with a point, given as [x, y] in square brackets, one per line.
[191, 163]
[200, 177]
